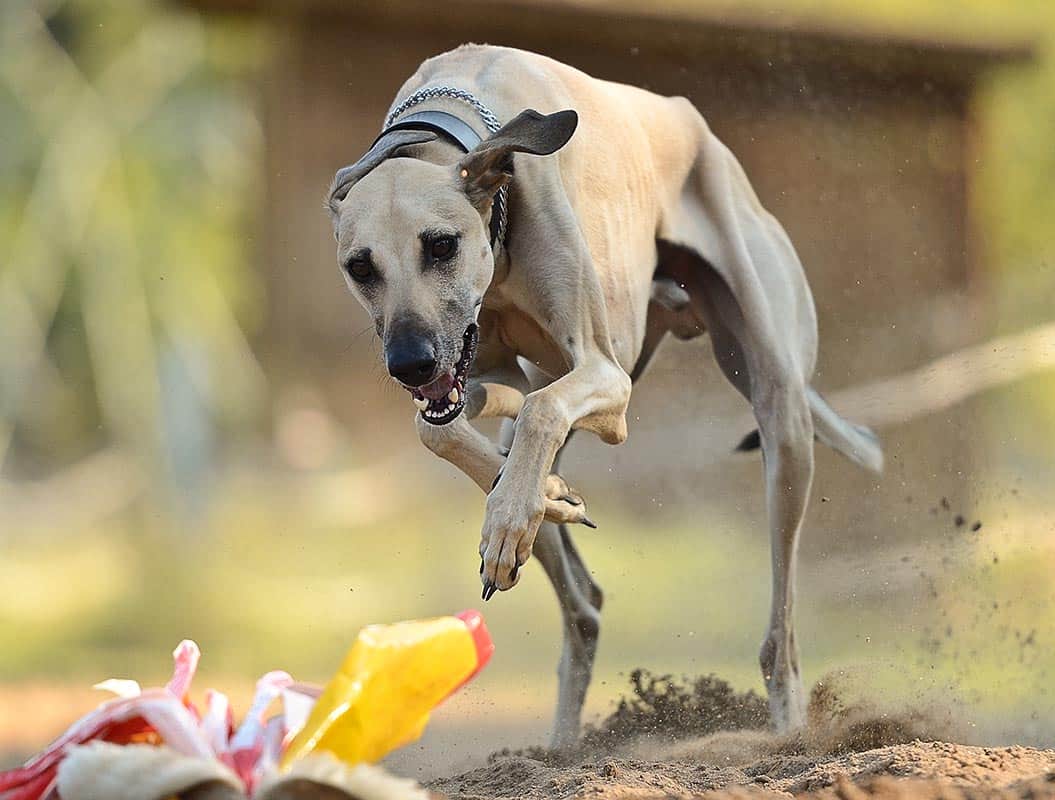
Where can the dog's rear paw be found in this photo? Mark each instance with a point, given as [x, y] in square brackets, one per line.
[564, 504]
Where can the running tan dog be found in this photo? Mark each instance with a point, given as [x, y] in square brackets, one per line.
[642, 223]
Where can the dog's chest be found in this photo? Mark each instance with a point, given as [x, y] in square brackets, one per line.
[519, 331]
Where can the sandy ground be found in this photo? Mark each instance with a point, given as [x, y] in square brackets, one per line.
[671, 739]
[915, 770]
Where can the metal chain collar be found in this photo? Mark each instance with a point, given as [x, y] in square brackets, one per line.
[489, 120]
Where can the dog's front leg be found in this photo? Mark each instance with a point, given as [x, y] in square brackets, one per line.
[465, 447]
[478, 457]
[487, 400]
[593, 396]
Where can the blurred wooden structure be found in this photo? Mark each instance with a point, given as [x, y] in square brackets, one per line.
[861, 144]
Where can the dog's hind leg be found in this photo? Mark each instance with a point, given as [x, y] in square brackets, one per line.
[582, 574]
[781, 404]
[751, 290]
[580, 600]
[786, 431]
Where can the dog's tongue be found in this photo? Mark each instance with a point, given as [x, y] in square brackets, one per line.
[440, 387]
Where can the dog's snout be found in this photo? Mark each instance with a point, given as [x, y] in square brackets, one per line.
[411, 359]
[412, 369]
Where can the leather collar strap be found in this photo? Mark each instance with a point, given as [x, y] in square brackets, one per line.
[460, 133]
[440, 122]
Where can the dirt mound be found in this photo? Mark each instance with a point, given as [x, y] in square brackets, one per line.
[663, 717]
[660, 711]
[662, 708]
[700, 739]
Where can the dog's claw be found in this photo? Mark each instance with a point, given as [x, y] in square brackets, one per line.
[564, 505]
[589, 523]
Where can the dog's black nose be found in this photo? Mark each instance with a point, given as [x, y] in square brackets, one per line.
[411, 361]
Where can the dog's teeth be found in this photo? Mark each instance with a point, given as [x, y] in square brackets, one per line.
[421, 403]
[453, 396]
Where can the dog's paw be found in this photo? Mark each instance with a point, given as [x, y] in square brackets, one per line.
[510, 524]
[564, 504]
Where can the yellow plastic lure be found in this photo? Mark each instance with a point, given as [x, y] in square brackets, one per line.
[391, 679]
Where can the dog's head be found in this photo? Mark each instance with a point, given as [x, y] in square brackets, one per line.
[414, 249]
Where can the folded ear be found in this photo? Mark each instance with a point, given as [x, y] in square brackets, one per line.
[489, 165]
[383, 148]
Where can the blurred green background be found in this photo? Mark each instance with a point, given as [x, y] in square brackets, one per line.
[161, 478]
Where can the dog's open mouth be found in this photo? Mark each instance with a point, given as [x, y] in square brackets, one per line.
[442, 400]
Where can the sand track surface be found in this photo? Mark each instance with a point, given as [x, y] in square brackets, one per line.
[698, 738]
[912, 771]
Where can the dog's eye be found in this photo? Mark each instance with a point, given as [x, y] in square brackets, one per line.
[443, 248]
[360, 270]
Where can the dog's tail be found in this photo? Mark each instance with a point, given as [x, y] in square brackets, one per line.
[856, 442]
